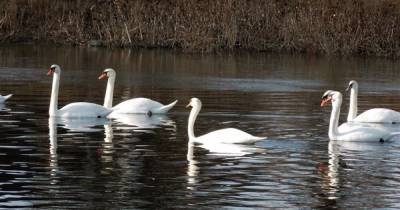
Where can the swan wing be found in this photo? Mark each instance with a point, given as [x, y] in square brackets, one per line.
[366, 134]
[138, 106]
[348, 126]
[228, 135]
[378, 115]
[83, 109]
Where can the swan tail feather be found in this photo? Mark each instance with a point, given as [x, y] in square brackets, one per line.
[166, 108]
[255, 139]
[8, 96]
[258, 138]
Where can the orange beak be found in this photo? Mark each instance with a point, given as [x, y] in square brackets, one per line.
[50, 72]
[102, 75]
[325, 101]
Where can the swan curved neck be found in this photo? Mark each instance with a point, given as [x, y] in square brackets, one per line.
[192, 118]
[334, 120]
[108, 98]
[54, 94]
[353, 104]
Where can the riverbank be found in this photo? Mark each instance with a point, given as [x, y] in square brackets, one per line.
[335, 27]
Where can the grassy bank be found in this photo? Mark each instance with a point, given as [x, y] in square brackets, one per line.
[344, 27]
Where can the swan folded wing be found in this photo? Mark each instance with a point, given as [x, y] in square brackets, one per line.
[229, 135]
[137, 106]
[378, 115]
[365, 134]
[83, 109]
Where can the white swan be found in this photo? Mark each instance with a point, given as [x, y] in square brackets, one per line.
[352, 133]
[375, 115]
[227, 135]
[4, 98]
[78, 109]
[131, 106]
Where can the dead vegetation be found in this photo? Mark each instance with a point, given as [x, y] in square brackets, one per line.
[343, 27]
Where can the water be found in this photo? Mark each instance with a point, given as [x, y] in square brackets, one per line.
[142, 162]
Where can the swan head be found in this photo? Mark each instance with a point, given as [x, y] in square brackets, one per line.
[352, 85]
[331, 96]
[54, 69]
[107, 73]
[194, 102]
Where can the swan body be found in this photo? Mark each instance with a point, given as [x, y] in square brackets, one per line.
[376, 115]
[4, 98]
[351, 133]
[142, 106]
[82, 109]
[348, 126]
[131, 106]
[227, 135]
[72, 110]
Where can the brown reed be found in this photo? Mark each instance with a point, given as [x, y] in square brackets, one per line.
[333, 27]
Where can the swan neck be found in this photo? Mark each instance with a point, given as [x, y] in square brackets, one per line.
[334, 120]
[54, 94]
[108, 98]
[192, 118]
[353, 105]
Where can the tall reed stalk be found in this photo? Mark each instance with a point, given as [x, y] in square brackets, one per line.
[343, 27]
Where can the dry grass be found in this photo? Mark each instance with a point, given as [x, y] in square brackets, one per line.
[343, 27]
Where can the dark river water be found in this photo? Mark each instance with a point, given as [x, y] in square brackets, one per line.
[141, 162]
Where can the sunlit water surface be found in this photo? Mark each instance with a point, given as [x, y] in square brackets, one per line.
[146, 162]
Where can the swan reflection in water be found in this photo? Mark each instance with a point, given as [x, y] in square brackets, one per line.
[53, 162]
[88, 124]
[142, 122]
[2, 107]
[108, 146]
[215, 149]
[81, 125]
[344, 159]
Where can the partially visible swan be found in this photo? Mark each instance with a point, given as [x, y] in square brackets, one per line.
[131, 106]
[375, 115]
[227, 135]
[4, 98]
[77, 109]
[356, 133]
